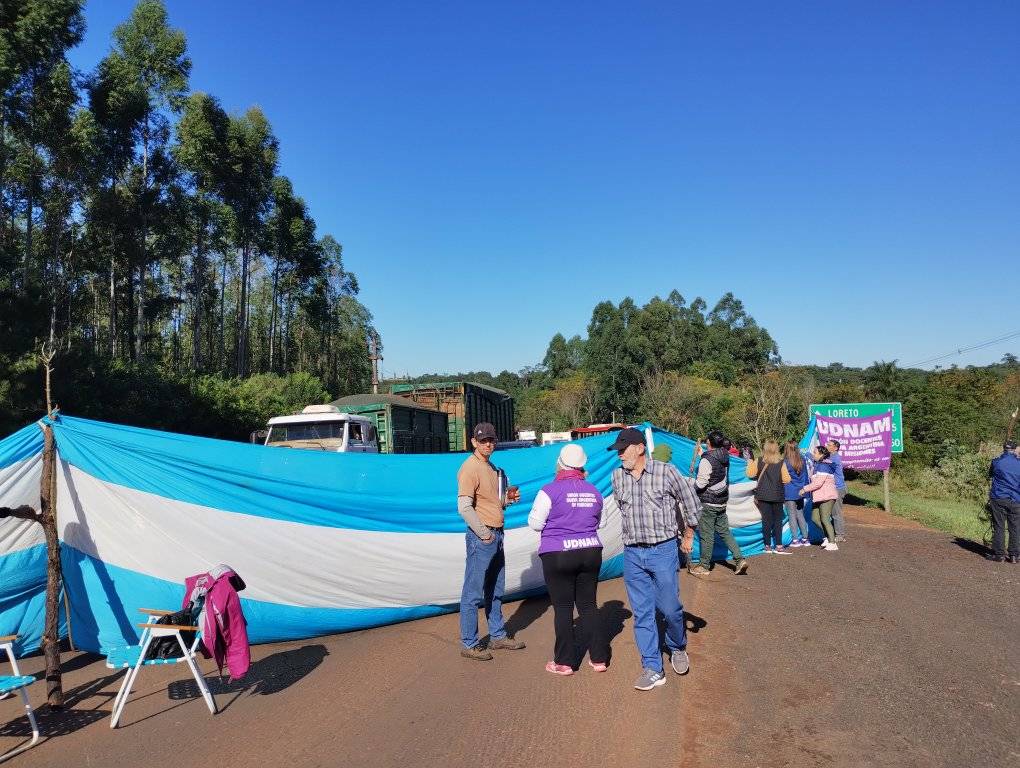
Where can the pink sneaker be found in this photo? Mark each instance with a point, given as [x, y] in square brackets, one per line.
[558, 669]
[598, 666]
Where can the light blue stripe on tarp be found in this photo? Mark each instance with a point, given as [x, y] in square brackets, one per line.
[23, 597]
[23, 444]
[373, 492]
[808, 441]
[105, 600]
[683, 453]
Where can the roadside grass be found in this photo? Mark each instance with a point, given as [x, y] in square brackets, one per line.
[967, 519]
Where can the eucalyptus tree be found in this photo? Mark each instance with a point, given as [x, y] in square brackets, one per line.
[252, 158]
[202, 151]
[117, 104]
[35, 36]
[154, 57]
[295, 253]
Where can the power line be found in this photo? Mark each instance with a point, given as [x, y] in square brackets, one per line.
[960, 351]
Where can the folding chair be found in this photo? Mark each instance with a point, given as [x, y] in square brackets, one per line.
[18, 682]
[132, 658]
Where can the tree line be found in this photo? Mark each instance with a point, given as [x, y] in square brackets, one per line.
[143, 226]
[691, 369]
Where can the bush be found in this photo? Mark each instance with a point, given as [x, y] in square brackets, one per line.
[147, 396]
[959, 473]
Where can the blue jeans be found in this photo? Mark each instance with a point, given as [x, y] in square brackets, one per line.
[652, 582]
[484, 581]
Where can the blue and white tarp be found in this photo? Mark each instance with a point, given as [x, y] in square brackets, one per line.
[326, 542]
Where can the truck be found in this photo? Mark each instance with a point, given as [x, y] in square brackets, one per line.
[323, 428]
[467, 403]
[402, 425]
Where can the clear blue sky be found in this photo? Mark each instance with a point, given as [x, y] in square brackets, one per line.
[857, 159]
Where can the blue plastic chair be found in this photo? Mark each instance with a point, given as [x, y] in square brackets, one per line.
[18, 682]
[132, 658]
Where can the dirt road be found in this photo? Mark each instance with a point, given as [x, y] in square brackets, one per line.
[901, 649]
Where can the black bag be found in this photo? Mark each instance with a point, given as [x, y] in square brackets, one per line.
[168, 647]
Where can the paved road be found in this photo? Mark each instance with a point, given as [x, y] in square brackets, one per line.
[901, 649]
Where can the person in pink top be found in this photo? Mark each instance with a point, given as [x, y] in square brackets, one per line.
[822, 488]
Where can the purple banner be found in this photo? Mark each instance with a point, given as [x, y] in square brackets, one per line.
[865, 443]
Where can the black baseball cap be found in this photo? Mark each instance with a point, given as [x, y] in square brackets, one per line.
[626, 437]
[484, 431]
[1009, 445]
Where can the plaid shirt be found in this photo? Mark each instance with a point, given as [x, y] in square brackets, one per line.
[657, 505]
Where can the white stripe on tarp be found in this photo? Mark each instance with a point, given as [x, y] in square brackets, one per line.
[292, 563]
[282, 562]
[19, 484]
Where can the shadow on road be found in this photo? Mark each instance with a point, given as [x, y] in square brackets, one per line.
[972, 546]
[52, 722]
[265, 677]
[528, 611]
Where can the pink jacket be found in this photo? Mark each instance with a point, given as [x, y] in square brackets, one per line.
[822, 487]
[223, 626]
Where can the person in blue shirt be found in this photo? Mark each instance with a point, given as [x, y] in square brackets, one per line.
[838, 523]
[1004, 503]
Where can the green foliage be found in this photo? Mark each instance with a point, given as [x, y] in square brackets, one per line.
[146, 396]
[144, 231]
[626, 343]
[960, 472]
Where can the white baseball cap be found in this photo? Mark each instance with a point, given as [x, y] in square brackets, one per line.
[573, 456]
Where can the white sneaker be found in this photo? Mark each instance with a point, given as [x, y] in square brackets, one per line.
[825, 543]
[831, 546]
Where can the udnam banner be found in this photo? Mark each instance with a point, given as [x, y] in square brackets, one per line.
[865, 443]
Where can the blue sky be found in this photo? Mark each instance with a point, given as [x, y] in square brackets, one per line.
[495, 170]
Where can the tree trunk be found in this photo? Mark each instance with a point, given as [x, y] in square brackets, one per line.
[139, 328]
[29, 194]
[29, 207]
[197, 280]
[221, 363]
[144, 245]
[242, 318]
[48, 518]
[113, 305]
[272, 316]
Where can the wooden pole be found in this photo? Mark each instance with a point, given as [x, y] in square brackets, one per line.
[885, 484]
[48, 518]
[54, 575]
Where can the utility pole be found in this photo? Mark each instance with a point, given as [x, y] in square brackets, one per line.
[375, 355]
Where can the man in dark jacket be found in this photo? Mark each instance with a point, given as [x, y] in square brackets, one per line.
[1004, 503]
[713, 488]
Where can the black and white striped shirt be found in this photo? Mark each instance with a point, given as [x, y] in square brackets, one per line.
[657, 505]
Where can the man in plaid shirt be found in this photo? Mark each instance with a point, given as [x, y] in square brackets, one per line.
[657, 504]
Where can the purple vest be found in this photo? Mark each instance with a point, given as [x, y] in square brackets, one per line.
[573, 521]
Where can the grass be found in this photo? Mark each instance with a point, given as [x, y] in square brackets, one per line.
[960, 518]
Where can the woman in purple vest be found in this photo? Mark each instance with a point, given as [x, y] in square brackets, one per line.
[568, 512]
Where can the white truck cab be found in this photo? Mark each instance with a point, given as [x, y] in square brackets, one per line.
[323, 428]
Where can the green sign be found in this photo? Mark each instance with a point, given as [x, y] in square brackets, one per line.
[863, 410]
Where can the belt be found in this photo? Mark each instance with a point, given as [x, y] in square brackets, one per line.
[646, 545]
[494, 528]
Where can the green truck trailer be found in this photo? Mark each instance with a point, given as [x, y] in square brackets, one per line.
[403, 426]
[466, 403]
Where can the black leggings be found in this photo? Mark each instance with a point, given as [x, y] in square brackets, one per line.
[572, 578]
[771, 521]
